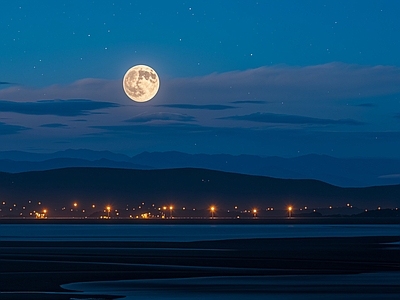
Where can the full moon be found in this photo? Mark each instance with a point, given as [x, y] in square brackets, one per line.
[141, 83]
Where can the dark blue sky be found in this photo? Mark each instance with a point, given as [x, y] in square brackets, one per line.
[282, 78]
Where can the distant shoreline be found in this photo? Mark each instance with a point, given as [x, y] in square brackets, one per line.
[215, 221]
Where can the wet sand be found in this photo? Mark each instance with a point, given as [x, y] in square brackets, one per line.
[45, 266]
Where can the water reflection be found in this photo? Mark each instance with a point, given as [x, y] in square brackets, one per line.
[359, 286]
[140, 232]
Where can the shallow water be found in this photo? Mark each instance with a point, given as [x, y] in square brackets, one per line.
[383, 286]
[301, 287]
[183, 233]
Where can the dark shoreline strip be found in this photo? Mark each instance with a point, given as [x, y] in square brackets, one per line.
[345, 220]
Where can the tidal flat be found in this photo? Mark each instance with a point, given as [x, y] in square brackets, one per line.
[353, 266]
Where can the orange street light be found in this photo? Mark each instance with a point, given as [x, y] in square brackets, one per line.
[170, 211]
[212, 212]
[290, 211]
[255, 213]
[108, 211]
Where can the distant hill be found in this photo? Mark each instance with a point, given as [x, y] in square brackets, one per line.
[11, 166]
[344, 172]
[183, 187]
[83, 154]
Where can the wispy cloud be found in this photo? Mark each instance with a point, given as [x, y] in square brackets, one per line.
[158, 129]
[249, 102]
[73, 107]
[290, 119]
[275, 83]
[6, 129]
[194, 106]
[87, 88]
[217, 111]
[54, 125]
[4, 84]
[287, 83]
[161, 116]
[390, 176]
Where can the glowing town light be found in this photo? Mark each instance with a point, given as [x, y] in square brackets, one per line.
[108, 211]
[290, 211]
[212, 209]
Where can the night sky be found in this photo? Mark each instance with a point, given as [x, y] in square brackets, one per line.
[284, 78]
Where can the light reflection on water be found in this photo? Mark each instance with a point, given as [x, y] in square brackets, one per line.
[360, 286]
[171, 233]
[382, 286]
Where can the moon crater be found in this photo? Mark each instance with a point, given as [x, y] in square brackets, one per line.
[141, 83]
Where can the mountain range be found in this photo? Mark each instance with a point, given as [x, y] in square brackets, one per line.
[343, 172]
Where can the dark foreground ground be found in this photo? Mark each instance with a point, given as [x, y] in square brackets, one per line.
[44, 266]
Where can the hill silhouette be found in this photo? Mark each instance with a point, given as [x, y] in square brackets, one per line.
[344, 172]
[183, 187]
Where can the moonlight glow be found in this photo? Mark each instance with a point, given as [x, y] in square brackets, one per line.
[141, 83]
